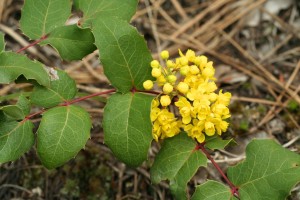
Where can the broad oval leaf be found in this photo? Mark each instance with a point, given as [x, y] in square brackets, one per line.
[2, 43]
[177, 161]
[40, 17]
[212, 190]
[269, 171]
[71, 42]
[16, 138]
[62, 88]
[93, 9]
[18, 111]
[63, 131]
[127, 126]
[13, 65]
[123, 53]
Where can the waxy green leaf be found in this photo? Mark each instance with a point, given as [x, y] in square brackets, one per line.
[62, 133]
[127, 126]
[123, 53]
[16, 138]
[2, 42]
[71, 42]
[13, 65]
[62, 88]
[212, 190]
[93, 9]
[269, 171]
[177, 161]
[40, 17]
[216, 142]
[18, 111]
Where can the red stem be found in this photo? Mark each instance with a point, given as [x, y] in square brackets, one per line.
[148, 91]
[70, 102]
[234, 189]
[88, 97]
[33, 43]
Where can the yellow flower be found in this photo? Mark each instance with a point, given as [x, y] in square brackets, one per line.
[148, 85]
[201, 112]
[168, 88]
[154, 64]
[165, 100]
[161, 80]
[170, 64]
[164, 54]
[209, 128]
[156, 72]
[183, 87]
[172, 78]
[224, 98]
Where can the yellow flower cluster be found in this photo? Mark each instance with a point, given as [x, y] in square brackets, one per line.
[188, 82]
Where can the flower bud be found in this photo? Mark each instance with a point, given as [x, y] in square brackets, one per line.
[164, 55]
[165, 100]
[156, 72]
[154, 64]
[148, 85]
[168, 88]
[170, 64]
[172, 78]
[184, 70]
[161, 80]
[183, 87]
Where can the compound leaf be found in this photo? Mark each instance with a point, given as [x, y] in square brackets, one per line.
[13, 65]
[2, 42]
[94, 9]
[269, 171]
[18, 111]
[40, 17]
[61, 89]
[71, 42]
[16, 138]
[177, 161]
[123, 53]
[212, 190]
[62, 133]
[127, 127]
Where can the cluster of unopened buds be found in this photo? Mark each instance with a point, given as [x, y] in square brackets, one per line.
[188, 100]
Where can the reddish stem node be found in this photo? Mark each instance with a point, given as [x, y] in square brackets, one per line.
[234, 189]
[33, 43]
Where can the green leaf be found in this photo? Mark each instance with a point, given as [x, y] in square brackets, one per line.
[18, 111]
[94, 9]
[177, 161]
[123, 53]
[212, 190]
[76, 4]
[127, 126]
[216, 142]
[40, 17]
[269, 171]
[16, 138]
[13, 65]
[2, 42]
[71, 42]
[62, 133]
[60, 90]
